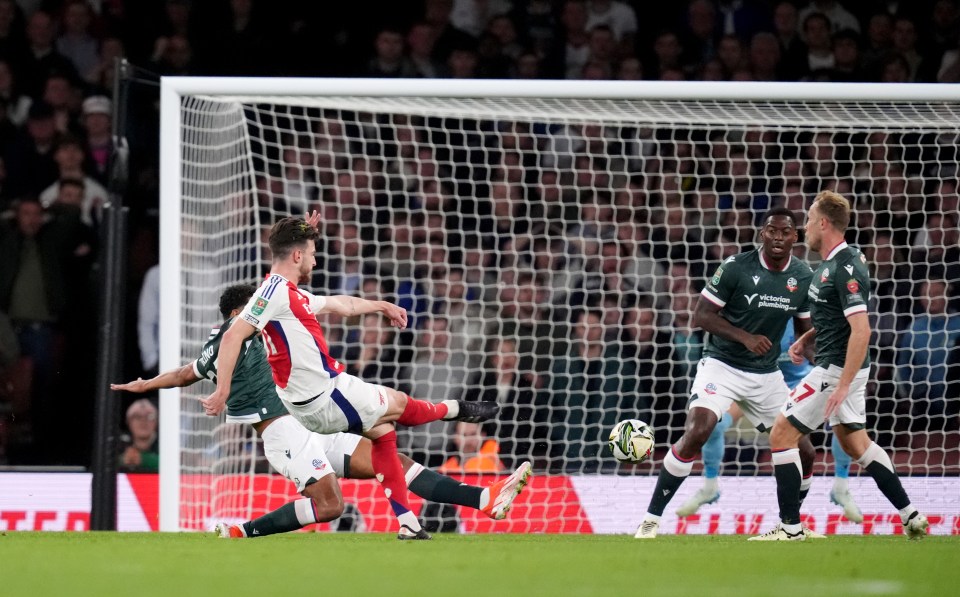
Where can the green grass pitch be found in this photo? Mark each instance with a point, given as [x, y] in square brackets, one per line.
[341, 565]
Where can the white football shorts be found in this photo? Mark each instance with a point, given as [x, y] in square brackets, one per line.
[760, 396]
[300, 455]
[346, 404]
[808, 401]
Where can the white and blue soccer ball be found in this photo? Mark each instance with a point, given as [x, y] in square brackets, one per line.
[631, 441]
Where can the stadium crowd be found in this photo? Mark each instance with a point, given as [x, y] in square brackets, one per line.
[552, 268]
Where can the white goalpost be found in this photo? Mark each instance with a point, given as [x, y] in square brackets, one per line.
[549, 239]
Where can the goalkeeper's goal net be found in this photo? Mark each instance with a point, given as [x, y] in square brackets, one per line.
[549, 241]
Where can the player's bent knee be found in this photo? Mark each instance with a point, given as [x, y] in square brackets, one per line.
[784, 435]
[326, 497]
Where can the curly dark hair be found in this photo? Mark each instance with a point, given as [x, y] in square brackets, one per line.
[289, 234]
[235, 297]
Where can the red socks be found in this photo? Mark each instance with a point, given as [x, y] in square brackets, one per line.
[389, 472]
[419, 412]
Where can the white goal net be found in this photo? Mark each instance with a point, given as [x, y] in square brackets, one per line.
[549, 251]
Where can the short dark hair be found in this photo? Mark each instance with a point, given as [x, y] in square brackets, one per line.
[235, 297]
[781, 211]
[288, 234]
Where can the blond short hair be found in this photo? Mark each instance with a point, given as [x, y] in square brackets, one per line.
[835, 208]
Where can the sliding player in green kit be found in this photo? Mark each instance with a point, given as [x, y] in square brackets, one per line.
[310, 460]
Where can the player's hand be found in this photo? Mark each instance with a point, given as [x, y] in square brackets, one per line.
[396, 315]
[797, 352]
[313, 218]
[835, 400]
[138, 387]
[214, 403]
[758, 344]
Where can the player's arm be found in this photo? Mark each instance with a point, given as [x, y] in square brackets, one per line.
[174, 378]
[230, 347]
[350, 306]
[856, 352]
[802, 347]
[707, 316]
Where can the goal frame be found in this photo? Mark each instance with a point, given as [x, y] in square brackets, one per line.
[174, 89]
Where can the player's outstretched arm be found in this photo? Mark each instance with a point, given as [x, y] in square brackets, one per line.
[350, 306]
[174, 378]
[707, 316]
[230, 346]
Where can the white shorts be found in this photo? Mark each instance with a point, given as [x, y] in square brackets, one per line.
[808, 401]
[302, 456]
[347, 404]
[759, 395]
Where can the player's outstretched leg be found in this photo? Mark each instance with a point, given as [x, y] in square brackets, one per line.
[420, 412]
[840, 493]
[322, 502]
[672, 474]
[712, 455]
[877, 463]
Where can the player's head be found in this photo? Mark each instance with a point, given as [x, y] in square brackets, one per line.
[295, 240]
[829, 214]
[778, 234]
[234, 298]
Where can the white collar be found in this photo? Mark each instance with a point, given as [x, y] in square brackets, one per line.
[766, 265]
[836, 249]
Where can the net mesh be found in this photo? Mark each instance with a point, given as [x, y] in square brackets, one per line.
[549, 253]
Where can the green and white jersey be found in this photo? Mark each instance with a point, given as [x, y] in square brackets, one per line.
[759, 300]
[840, 288]
[253, 397]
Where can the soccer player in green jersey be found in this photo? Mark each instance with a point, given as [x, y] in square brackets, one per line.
[745, 308]
[310, 460]
[835, 388]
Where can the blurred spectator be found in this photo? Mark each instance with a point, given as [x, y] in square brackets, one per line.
[42, 58]
[926, 349]
[743, 18]
[617, 16]
[388, 60]
[33, 282]
[70, 158]
[97, 122]
[447, 36]
[905, 44]
[846, 58]
[474, 452]
[879, 41]
[702, 34]
[30, 164]
[435, 374]
[838, 17]
[472, 16]
[571, 47]
[765, 57]
[140, 449]
[520, 428]
[793, 50]
[17, 103]
[591, 388]
[173, 56]
[75, 41]
[420, 41]
[816, 32]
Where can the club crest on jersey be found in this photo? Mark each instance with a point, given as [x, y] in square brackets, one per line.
[259, 306]
[710, 388]
[852, 286]
[824, 275]
[318, 464]
[792, 284]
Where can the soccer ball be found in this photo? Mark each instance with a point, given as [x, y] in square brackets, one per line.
[631, 441]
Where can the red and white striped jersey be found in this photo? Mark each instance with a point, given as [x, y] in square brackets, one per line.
[296, 349]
